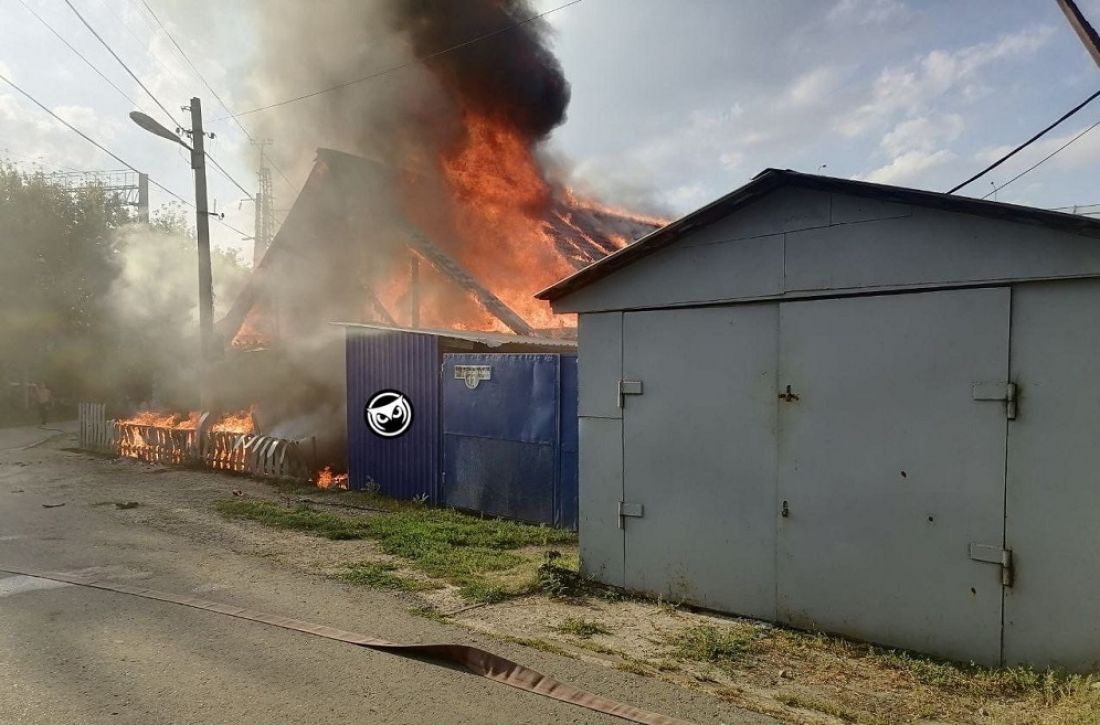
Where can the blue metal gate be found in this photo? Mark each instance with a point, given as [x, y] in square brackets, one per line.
[510, 435]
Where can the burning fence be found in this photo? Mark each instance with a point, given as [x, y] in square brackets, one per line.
[228, 443]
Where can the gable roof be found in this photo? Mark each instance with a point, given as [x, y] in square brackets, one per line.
[771, 179]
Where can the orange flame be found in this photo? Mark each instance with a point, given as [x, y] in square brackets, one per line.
[326, 479]
[156, 419]
[510, 226]
[239, 422]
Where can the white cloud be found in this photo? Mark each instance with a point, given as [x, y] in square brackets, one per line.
[868, 12]
[909, 167]
[811, 88]
[922, 133]
[908, 89]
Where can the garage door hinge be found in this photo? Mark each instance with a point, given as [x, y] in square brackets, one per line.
[629, 387]
[994, 555]
[633, 510]
[1005, 392]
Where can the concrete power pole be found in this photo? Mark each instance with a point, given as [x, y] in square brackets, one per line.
[202, 227]
[143, 198]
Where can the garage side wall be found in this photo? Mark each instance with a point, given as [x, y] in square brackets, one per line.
[798, 243]
[600, 361]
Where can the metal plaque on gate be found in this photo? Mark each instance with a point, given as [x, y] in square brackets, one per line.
[473, 374]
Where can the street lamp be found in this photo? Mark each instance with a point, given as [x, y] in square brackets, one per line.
[202, 228]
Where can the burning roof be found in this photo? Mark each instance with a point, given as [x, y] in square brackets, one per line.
[367, 243]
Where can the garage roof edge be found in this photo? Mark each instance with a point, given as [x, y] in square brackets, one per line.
[771, 179]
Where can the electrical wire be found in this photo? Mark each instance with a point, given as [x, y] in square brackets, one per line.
[156, 100]
[142, 42]
[401, 66]
[210, 88]
[110, 153]
[1022, 146]
[1042, 161]
[122, 63]
[80, 55]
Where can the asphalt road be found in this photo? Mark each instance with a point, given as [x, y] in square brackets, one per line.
[69, 654]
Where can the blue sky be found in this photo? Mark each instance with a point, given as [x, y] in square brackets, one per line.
[673, 104]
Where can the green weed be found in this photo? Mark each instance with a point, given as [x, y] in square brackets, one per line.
[579, 627]
[380, 576]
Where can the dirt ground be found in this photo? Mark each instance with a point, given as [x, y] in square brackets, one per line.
[796, 677]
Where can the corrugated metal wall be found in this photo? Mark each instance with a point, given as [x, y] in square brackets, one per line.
[407, 466]
[503, 447]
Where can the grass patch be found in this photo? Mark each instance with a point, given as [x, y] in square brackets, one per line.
[634, 667]
[708, 643]
[1049, 686]
[428, 613]
[300, 518]
[540, 644]
[560, 578]
[580, 627]
[596, 647]
[380, 576]
[831, 708]
[476, 554]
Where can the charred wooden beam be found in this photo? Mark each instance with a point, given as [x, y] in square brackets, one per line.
[448, 265]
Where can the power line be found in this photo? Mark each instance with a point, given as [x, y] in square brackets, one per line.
[107, 151]
[202, 78]
[1073, 206]
[121, 62]
[80, 55]
[1022, 146]
[401, 66]
[1043, 160]
[226, 175]
[143, 43]
[150, 94]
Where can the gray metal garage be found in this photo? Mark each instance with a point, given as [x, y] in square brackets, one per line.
[850, 407]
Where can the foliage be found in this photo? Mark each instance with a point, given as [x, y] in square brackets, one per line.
[378, 575]
[91, 302]
[708, 643]
[581, 627]
[58, 266]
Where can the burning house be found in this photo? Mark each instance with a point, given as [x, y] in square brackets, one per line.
[441, 210]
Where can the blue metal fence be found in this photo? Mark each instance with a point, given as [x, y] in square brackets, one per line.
[406, 466]
[493, 432]
[510, 435]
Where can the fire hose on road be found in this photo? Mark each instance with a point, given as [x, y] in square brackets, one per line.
[478, 661]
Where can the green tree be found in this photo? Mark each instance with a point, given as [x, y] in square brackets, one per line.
[55, 268]
[92, 303]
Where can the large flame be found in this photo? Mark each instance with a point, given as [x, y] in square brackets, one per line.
[517, 231]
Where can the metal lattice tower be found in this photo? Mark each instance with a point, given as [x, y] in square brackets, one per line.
[132, 187]
[265, 206]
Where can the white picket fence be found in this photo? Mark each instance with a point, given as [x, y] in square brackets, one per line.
[97, 433]
[255, 455]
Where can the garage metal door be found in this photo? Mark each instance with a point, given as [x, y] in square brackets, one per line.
[892, 468]
[699, 455]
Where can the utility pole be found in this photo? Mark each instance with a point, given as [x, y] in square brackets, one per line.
[208, 350]
[202, 228]
[1081, 26]
[143, 198]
